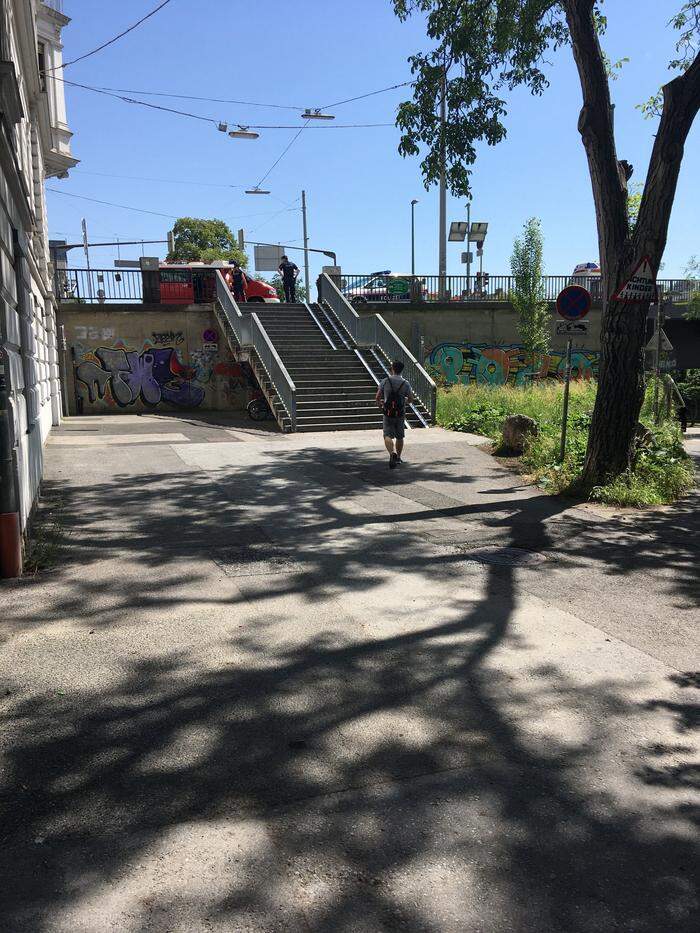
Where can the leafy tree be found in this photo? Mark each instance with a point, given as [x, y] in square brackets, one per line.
[527, 295]
[276, 282]
[483, 48]
[634, 202]
[692, 272]
[198, 240]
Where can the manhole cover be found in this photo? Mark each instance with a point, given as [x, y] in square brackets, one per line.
[253, 560]
[507, 556]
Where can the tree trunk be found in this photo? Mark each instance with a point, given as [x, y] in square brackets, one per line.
[621, 375]
[620, 393]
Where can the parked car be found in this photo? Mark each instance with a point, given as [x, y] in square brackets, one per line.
[382, 286]
[587, 274]
[193, 282]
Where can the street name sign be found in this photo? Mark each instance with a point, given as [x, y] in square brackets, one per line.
[640, 286]
[573, 302]
[572, 328]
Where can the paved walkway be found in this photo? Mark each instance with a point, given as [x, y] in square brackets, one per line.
[276, 687]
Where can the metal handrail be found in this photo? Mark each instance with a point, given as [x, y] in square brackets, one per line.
[372, 330]
[275, 369]
[239, 323]
[423, 386]
[349, 318]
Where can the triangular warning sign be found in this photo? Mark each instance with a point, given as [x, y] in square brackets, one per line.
[641, 285]
[665, 342]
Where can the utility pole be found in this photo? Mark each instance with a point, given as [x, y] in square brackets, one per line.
[306, 246]
[87, 258]
[413, 236]
[657, 351]
[442, 252]
[469, 246]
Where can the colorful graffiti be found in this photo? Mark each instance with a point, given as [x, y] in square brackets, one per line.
[484, 364]
[123, 377]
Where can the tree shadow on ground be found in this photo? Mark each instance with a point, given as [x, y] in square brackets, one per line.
[397, 775]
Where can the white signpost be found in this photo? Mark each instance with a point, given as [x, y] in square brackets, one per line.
[640, 286]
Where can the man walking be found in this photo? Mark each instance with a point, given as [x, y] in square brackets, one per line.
[289, 272]
[392, 395]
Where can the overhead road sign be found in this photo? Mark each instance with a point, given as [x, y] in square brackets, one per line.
[268, 258]
[641, 285]
[573, 302]
[572, 328]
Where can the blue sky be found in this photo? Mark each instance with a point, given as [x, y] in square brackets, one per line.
[310, 53]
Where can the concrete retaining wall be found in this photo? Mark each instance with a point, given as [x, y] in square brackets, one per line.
[144, 358]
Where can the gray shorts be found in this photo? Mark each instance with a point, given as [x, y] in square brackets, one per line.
[395, 427]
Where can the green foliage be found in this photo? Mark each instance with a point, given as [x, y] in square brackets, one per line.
[486, 48]
[527, 294]
[692, 272]
[689, 387]
[662, 472]
[276, 282]
[198, 240]
[634, 202]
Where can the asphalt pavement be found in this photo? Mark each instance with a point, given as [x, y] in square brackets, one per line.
[265, 684]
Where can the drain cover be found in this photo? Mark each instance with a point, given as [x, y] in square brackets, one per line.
[507, 556]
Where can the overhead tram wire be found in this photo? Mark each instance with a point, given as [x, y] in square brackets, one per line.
[110, 41]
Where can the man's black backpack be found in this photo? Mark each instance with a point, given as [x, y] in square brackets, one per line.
[394, 403]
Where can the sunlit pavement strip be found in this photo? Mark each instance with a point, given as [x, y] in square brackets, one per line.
[98, 440]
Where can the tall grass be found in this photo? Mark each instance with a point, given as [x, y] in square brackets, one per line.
[662, 470]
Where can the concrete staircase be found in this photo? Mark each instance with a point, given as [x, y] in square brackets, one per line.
[334, 387]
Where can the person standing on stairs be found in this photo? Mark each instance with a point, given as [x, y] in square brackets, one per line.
[392, 395]
[289, 272]
[239, 283]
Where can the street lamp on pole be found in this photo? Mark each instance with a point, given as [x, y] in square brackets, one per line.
[413, 236]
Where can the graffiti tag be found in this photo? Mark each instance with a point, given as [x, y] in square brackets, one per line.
[483, 364]
[162, 337]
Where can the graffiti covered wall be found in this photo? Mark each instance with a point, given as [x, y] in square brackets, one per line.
[485, 364]
[129, 359]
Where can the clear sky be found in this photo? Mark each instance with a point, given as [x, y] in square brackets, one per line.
[311, 53]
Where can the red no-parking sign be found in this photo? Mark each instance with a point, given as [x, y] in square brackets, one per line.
[573, 302]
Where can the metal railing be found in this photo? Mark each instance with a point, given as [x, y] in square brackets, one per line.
[369, 289]
[239, 323]
[372, 330]
[98, 285]
[275, 369]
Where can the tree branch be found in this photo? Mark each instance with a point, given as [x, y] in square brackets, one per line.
[597, 132]
[681, 103]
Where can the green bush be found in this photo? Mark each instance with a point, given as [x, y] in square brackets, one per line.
[662, 471]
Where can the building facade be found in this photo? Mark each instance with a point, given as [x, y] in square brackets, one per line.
[34, 145]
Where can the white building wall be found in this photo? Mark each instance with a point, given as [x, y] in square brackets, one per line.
[34, 144]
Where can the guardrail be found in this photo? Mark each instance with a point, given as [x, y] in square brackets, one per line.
[238, 322]
[98, 285]
[275, 369]
[368, 289]
[372, 330]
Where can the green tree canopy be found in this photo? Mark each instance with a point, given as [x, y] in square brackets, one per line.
[199, 240]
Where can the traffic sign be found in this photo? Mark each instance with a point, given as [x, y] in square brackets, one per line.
[665, 342]
[641, 285]
[573, 302]
[572, 328]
